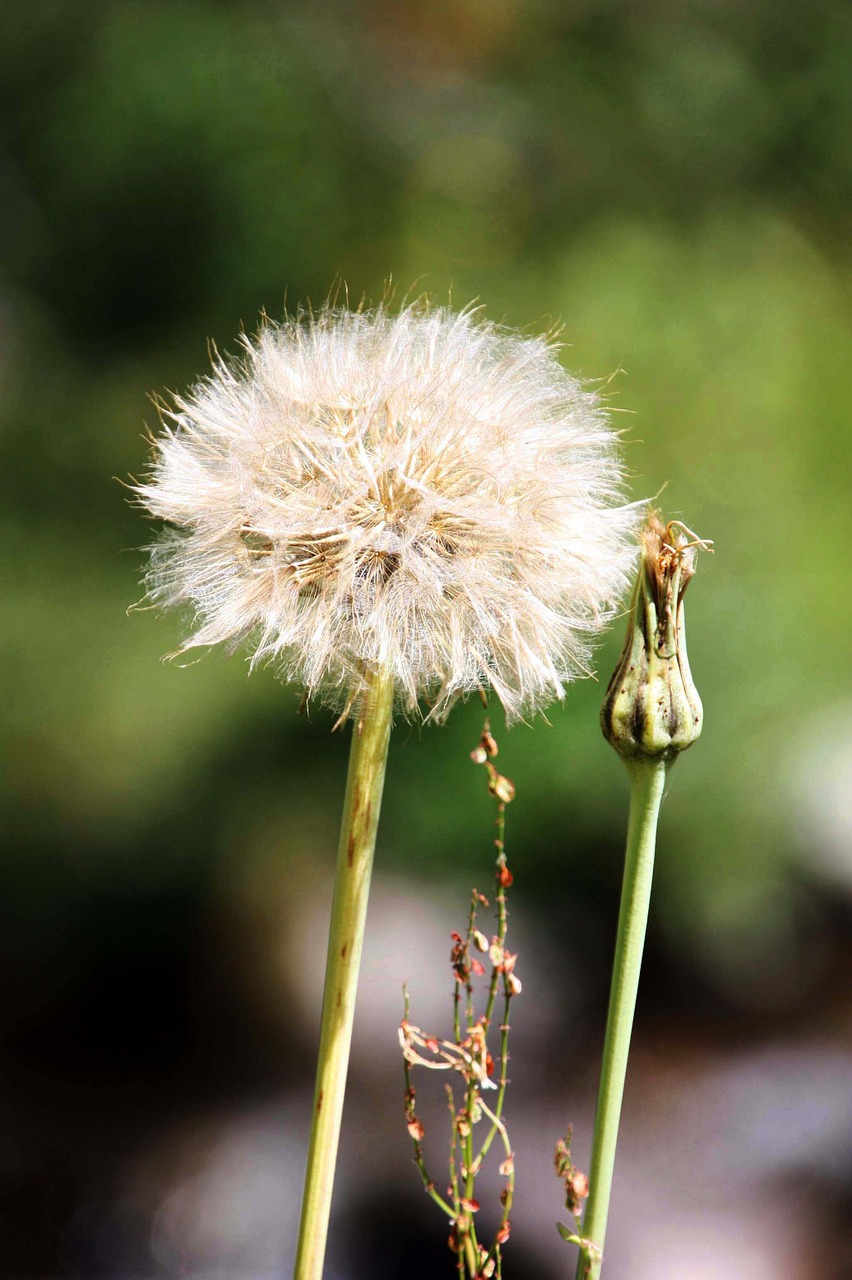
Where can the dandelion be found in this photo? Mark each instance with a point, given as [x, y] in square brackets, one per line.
[424, 494]
[392, 510]
[651, 714]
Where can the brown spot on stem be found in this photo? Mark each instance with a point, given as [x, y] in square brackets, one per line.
[350, 849]
[319, 1102]
[343, 951]
[368, 809]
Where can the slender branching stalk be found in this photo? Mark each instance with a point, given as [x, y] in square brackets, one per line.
[467, 1056]
[370, 735]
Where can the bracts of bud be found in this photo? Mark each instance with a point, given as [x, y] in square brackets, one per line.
[652, 707]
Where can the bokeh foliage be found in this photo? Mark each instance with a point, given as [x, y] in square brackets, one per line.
[670, 183]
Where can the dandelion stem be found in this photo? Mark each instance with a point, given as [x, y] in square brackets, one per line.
[364, 784]
[647, 779]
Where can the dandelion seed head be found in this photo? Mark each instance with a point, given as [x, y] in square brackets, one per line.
[423, 492]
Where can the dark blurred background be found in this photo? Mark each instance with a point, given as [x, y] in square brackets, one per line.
[671, 183]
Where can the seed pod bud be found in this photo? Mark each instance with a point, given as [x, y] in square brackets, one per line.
[652, 707]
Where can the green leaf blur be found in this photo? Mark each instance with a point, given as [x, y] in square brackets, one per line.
[671, 185]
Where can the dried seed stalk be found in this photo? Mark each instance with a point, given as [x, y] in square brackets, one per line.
[468, 1055]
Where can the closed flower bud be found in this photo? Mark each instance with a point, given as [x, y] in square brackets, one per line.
[652, 707]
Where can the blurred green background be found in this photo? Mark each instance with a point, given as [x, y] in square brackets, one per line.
[671, 184]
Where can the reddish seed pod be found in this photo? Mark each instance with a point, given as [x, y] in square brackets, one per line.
[504, 789]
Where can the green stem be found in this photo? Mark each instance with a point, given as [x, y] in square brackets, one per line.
[647, 779]
[364, 783]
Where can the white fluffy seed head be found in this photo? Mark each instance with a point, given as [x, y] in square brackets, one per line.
[424, 493]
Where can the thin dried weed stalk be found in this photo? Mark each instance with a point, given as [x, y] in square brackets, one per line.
[423, 492]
